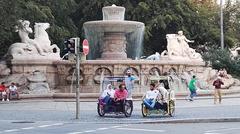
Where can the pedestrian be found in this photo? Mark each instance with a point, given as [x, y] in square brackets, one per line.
[192, 88]
[129, 81]
[13, 90]
[4, 91]
[217, 90]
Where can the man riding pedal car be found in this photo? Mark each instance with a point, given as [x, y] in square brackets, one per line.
[151, 96]
[120, 94]
[162, 98]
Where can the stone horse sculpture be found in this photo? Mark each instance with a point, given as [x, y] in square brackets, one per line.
[38, 47]
[41, 36]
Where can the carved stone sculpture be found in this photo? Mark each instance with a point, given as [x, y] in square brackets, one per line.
[235, 52]
[155, 56]
[38, 83]
[38, 48]
[4, 70]
[178, 47]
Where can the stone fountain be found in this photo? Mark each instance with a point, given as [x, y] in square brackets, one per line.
[112, 33]
[113, 42]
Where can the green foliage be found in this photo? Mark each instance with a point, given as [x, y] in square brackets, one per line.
[161, 17]
[57, 13]
[219, 58]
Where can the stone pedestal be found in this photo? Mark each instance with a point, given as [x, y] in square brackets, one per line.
[91, 71]
[61, 77]
[114, 47]
[26, 67]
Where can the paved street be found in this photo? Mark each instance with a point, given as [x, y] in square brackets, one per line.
[56, 116]
[82, 128]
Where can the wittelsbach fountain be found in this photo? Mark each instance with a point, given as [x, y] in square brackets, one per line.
[114, 43]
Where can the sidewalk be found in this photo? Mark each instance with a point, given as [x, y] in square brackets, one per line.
[201, 110]
[202, 94]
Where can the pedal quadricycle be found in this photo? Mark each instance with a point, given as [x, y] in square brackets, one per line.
[108, 103]
[164, 102]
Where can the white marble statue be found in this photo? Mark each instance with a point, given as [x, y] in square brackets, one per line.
[178, 47]
[38, 48]
[235, 52]
[155, 56]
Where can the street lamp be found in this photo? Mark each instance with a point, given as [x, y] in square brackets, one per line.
[221, 23]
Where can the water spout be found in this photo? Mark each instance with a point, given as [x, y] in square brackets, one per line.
[73, 79]
[180, 83]
[156, 73]
[101, 81]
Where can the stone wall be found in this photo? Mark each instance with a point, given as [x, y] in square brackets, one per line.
[91, 70]
[61, 78]
[27, 67]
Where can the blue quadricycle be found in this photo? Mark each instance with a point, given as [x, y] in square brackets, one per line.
[121, 107]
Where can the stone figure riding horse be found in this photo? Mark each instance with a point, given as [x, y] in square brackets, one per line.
[26, 45]
[40, 45]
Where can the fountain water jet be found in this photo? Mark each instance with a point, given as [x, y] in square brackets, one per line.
[114, 37]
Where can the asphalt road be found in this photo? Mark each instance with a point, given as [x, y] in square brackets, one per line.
[50, 110]
[51, 116]
[90, 128]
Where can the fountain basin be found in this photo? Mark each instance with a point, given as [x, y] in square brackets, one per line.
[113, 26]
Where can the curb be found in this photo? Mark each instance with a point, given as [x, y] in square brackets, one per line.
[89, 96]
[195, 120]
[174, 121]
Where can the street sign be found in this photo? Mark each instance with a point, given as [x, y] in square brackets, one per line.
[85, 47]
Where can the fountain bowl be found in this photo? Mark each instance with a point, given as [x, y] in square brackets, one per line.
[113, 26]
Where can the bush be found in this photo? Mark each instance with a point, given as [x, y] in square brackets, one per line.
[222, 58]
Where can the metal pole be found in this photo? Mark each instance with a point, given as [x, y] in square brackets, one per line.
[221, 23]
[77, 52]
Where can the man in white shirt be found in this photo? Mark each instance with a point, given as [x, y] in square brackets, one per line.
[150, 97]
[13, 90]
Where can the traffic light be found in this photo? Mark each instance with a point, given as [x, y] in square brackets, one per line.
[70, 45]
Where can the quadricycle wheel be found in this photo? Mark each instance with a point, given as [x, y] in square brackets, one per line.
[144, 110]
[171, 107]
[128, 108]
[100, 110]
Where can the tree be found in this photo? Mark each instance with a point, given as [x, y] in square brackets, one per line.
[220, 59]
[199, 21]
[57, 13]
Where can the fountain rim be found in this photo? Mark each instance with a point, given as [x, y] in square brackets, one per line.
[114, 25]
[124, 22]
[113, 7]
[136, 62]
